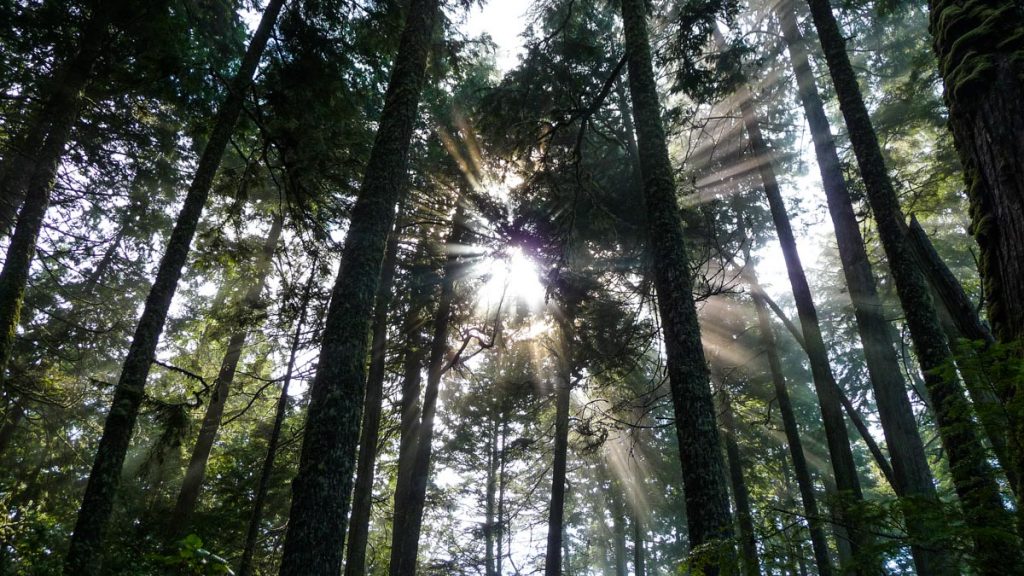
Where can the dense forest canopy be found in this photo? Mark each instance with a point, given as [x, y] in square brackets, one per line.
[612, 287]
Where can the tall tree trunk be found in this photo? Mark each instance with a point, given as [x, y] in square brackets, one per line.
[19, 165]
[805, 484]
[740, 493]
[707, 500]
[490, 531]
[245, 565]
[409, 506]
[825, 386]
[911, 476]
[85, 551]
[34, 180]
[960, 320]
[618, 514]
[996, 547]
[639, 567]
[316, 526]
[979, 48]
[556, 506]
[415, 354]
[362, 493]
[192, 483]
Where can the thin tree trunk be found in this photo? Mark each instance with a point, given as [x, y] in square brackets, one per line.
[805, 484]
[707, 500]
[740, 494]
[85, 552]
[245, 565]
[639, 568]
[415, 354]
[911, 475]
[618, 528]
[996, 545]
[408, 524]
[195, 473]
[825, 386]
[362, 493]
[316, 527]
[34, 181]
[556, 506]
[490, 566]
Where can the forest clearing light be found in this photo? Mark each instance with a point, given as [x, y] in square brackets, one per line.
[511, 277]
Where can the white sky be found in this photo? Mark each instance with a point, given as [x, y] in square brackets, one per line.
[504, 20]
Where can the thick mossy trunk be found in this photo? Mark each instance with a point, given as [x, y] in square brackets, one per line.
[980, 46]
[560, 452]
[996, 547]
[192, 483]
[740, 493]
[700, 449]
[408, 523]
[912, 475]
[805, 484]
[86, 541]
[320, 492]
[362, 493]
[245, 565]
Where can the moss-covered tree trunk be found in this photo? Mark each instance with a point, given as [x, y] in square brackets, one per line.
[996, 548]
[700, 449]
[980, 46]
[912, 475]
[408, 523]
[195, 473]
[86, 542]
[245, 565]
[320, 492]
[362, 493]
[740, 493]
[965, 332]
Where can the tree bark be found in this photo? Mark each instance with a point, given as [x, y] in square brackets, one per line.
[707, 500]
[490, 498]
[740, 494]
[805, 484]
[825, 386]
[409, 506]
[911, 474]
[560, 451]
[316, 526]
[192, 483]
[84, 554]
[996, 547]
[960, 320]
[30, 183]
[19, 165]
[362, 493]
[245, 565]
[979, 48]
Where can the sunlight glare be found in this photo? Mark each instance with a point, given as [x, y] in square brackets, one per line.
[512, 277]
